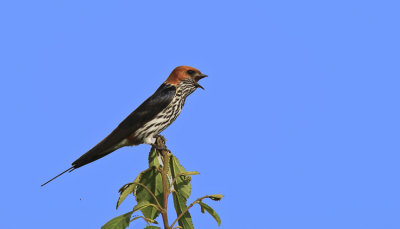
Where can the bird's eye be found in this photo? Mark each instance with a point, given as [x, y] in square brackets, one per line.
[190, 72]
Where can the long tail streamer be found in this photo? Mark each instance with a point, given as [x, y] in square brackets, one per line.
[68, 170]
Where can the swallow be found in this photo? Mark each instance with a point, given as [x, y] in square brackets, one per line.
[147, 121]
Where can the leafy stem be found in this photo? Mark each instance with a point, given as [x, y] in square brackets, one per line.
[164, 172]
[178, 175]
[187, 209]
[151, 193]
[156, 184]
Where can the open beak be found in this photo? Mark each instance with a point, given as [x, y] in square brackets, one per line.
[196, 80]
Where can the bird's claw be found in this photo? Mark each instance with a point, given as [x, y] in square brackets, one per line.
[160, 136]
[157, 147]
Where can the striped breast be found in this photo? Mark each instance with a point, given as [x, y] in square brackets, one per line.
[168, 115]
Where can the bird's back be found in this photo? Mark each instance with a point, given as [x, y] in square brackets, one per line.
[127, 131]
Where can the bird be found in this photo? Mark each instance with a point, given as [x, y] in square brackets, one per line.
[147, 121]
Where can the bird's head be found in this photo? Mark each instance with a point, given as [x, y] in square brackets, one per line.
[185, 72]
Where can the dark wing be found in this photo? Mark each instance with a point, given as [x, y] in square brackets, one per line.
[144, 113]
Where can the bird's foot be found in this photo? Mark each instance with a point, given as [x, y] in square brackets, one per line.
[159, 143]
[157, 147]
[160, 136]
[160, 148]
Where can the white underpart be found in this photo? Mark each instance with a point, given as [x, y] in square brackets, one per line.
[149, 140]
[167, 115]
[150, 129]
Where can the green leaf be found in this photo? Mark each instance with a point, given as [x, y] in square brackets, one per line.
[129, 188]
[182, 184]
[210, 211]
[122, 221]
[152, 179]
[145, 219]
[182, 192]
[154, 158]
[188, 173]
[119, 222]
[144, 204]
[216, 197]
[152, 227]
[124, 192]
[180, 204]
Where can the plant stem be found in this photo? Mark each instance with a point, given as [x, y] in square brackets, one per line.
[187, 209]
[166, 190]
[164, 172]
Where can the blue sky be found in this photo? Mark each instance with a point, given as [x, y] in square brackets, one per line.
[298, 126]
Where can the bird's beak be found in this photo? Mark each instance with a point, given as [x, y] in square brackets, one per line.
[196, 80]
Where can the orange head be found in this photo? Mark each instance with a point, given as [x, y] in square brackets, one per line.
[185, 72]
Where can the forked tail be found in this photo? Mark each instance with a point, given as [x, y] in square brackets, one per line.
[68, 170]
